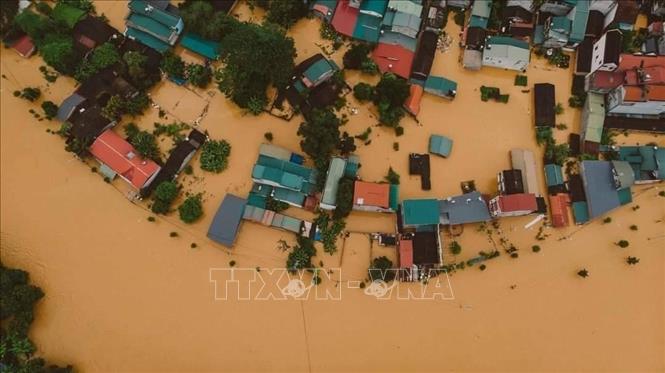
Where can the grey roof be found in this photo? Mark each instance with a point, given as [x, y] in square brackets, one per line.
[68, 106]
[599, 187]
[225, 224]
[463, 209]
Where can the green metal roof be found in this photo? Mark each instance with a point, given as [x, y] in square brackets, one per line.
[144, 8]
[481, 9]
[596, 117]
[476, 21]
[256, 200]
[506, 40]
[199, 45]
[648, 154]
[67, 14]
[580, 212]
[420, 212]
[335, 173]
[553, 175]
[289, 196]
[150, 26]
[561, 24]
[440, 86]
[147, 39]
[440, 145]
[286, 166]
[660, 161]
[277, 176]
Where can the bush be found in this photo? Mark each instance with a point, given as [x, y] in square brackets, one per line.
[114, 108]
[558, 109]
[214, 156]
[455, 248]
[607, 220]
[173, 66]
[199, 75]
[301, 255]
[137, 105]
[31, 94]
[399, 131]
[268, 136]
[173, 234]
[363, 92]
[43, 8]
[232, 263]
[380, 269]
[392, 177]
[576, 101]
[396, 146]
[151, 219]
[633, 227]
[521, 80]
[145, 144]
[165, 193]
[623, 244]
[482, 267]
[191, 209]
[103, 56]
[344, 198]
[356, 55]
[50, 109]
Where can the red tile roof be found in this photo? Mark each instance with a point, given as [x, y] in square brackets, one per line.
[24, 46]
[344, 20]
[371, 194]
[629, 61]
[121, 157]
[559, 208]
[393, 58]
[655, 74]
[405, 253]
[518, 202]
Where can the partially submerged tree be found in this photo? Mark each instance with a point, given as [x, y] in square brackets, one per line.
[344, 198]
[214, 155]
[301, 255]
[320, 133]
[381, 269]
[583, 273]
[199, 75]
[191, 209]
[165, 193]
[392, 177]
[50, 109]
[286, 13]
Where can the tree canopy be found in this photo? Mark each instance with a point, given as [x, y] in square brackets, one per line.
[286, 13]
[256, 56]
[191, 209]
[380, 269]
[214, 155]
[165, 193]
[320, 133]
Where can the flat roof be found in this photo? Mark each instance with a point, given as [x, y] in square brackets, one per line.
[420, 211]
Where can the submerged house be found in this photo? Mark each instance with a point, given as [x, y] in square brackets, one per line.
[513, 205]
[593, 117]
[312, 84]
[375, 197]
[118, 157]
[291, 182]
[510, 182]
[338, 168]
[91, 32]
[419, 242]
[559, 209]
[154, 23]
[524, 161]
[467, 208]
[544, 104]
[226, 222]
[605, 188]
[647, 162]
[506, 53]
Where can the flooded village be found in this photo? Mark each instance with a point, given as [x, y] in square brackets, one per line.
[510, 150]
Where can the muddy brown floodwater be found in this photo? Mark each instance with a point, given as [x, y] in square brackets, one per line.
[121, 295]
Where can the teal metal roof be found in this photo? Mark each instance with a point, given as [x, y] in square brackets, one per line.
[199, 45]
[375, 8]
[335, 173]
[256, 200]
[286, 222]
[625, 196]
[147, 39]
[507, 40]
[254, 213]
[660, 161]
[476, 21]
[420, 212]
[368, 28]
[286, 166]
[580, 212]
[440, 86]
[277, 176]
[289, 196]
[553, 175]
[144, 8]
[149, 26]
[393, 201]
[440, 145]
[407, 24]
[561, 24]
[580, 19]
[319, 70]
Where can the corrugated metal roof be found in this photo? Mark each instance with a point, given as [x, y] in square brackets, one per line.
[599, 187]
[335, 173]
[595, 107]
[226, 222]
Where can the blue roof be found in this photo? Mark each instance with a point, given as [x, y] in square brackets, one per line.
[599, 187]
[440, 86]
[68, 106]
[440, 145]
[199, 45]
[464, 209]
[225, 224]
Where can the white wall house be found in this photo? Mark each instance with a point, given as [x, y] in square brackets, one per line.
[606, 52]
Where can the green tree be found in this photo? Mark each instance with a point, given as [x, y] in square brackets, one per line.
[363, 92]
[165, 193]
[191, 209]
[455, 248]
[356, 55]
[623, 244]
[320, 133]
[173, 65]
[214, 156]
[101, 57]
[255, 57]
[50, 109]
[392, 177]
[113, 108]
[8, 11]
[137, 104]
[199, 75]
[145, 144]
[135, 62]
[31, 94]
[391, 92]
[59, 54]
[301, 255]
[632, 260]
[344, 198]
[286, 13]
[381, 269]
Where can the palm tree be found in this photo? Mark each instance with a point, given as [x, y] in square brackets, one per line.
[583, 273]
[632, 260]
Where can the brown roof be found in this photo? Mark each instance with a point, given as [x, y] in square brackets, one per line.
[518, 202]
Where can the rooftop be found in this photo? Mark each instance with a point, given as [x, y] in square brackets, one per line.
[463, 209]
[599, 187]
[226, 222]
[371, 194]
[417, 212]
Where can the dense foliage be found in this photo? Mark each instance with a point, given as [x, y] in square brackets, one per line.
[344, 199]
[286, 13]
[101, 57]
[191, 209]
[301, 255]
[199, 75]
[144, 142]
[320, 133]
[380, 269]
[392, 177]
[214, 155]
[8, 10]
[363, 92]
[200, 18]
[50, 109]
[391, 92]
[356, 55]
[17, 302]
[173, 65]
[330, 229]
[29, 93]
[165, 193]
[255, 57]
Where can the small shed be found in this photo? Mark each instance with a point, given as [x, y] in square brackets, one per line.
[441, 87]
[544, 103]
[580, 212]
[206, 48]
[226, 222]
[440, 145]
[24, 46]
[553, 175]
